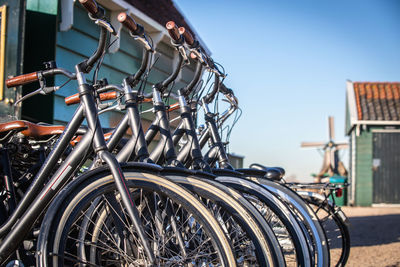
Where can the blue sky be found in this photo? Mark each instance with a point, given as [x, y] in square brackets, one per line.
[288, 62]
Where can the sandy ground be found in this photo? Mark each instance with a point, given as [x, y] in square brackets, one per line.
[375, 236]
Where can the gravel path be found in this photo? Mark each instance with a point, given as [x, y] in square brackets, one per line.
[375, 236]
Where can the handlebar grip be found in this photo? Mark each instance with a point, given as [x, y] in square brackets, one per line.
[127, 21]
[173, 30]
[22, 79]
[147, 100]
[174, 107]
[108, 96]
[193, 55]
[186, 35]
[90, 6]
[74, 99]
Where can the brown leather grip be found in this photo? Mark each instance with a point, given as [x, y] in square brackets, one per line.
[173, 30]
[147, 100]
[108, 96]
[74, 99]
[127, 21]
[90, 6]
[193, 55]
[22, 79]
[174, 107]
[187, 35]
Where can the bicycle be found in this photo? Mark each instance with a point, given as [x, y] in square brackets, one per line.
[214, 196]
[113, 181]
[332, 218]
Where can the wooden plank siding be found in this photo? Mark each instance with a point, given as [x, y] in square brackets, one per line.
[386, 170]
[80, 41]
[364, 181]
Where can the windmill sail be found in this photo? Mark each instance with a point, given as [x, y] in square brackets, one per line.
[313, 144]
[331, 164]
[331, 128]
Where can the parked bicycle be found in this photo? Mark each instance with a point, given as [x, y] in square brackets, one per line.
[72, 195]
[125, 198]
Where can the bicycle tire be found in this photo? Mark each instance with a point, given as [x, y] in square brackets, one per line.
[76, 198]
[243, 212]
[334, 226]
[305, 215]
[254, 192]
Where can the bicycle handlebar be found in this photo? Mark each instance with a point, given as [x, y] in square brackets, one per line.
[62, 71]
[88, 64]
[35, 76]
[173, 31]
[22, 79]
[174, 74]
[74, 99]
[188, 88]
[210, 96]
[187, 36]
[128, 22]
[90, 6]
[134, 79]
[226, 91]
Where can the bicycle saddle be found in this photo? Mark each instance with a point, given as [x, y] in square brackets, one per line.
[31, 129]
[272, 173]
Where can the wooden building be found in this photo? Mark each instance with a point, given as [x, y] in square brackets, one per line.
[373, 124]
[44, 30]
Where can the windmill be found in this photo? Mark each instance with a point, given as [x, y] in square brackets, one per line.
[331, 164]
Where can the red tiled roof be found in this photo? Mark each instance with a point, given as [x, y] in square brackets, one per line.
[161, 11]
[377, 100]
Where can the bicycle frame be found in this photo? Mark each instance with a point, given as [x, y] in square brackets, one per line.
[34, 203]
[217, 151]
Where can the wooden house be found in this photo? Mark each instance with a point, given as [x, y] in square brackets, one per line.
[373, 125]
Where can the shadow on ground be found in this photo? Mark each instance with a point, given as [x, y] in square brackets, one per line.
[374, 230]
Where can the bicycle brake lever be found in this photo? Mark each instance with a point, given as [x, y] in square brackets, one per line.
[108, 109]
[198, 54]
[181, 50]
[118, 106]
[105, 24]
[144, 41]
[38, 91]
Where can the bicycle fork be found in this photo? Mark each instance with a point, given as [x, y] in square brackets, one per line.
[100, 148]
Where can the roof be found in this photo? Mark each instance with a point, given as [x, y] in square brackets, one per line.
[373, 103]
[377, 100]
[162, 11]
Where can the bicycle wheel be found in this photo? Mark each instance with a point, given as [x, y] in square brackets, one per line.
[88, 225]
[252, 239]
[305, 215]
[286, 228]
[334, 225]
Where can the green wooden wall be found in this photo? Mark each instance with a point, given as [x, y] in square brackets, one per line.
[43, 6]
[78, 43]
[364, 180]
